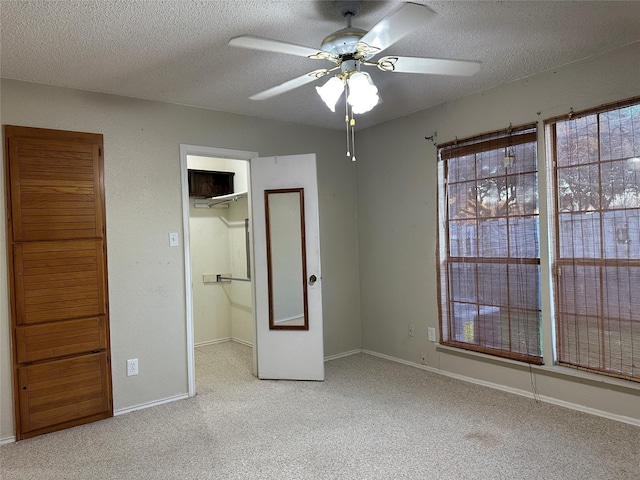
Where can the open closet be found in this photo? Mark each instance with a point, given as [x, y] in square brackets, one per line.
[219, 245]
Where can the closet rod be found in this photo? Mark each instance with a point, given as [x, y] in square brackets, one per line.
[220, 278]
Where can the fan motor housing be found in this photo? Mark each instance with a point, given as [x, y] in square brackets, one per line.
[343, 41]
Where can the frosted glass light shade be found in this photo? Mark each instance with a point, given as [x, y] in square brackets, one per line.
[363, 94]
[330, 92]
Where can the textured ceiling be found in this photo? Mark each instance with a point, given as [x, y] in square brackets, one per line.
[176, 51]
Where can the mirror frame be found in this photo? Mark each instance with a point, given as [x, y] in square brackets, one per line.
[272, 324]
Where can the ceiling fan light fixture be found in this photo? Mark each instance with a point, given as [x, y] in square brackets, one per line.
[330, 92]
[363, 94]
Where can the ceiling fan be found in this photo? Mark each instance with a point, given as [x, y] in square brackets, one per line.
[351, 48]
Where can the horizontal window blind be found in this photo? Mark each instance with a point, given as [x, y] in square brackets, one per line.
[488, 245]
[596, 248]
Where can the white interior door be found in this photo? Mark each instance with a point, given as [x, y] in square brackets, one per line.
[285, 348]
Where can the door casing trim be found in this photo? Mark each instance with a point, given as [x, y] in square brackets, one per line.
[203, 151]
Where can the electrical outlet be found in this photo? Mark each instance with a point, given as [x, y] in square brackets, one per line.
[132, 367]
[411, 329]
[424, 358]
[431, 332]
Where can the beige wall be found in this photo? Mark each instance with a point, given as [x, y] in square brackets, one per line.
[143, 203]
[397, 179]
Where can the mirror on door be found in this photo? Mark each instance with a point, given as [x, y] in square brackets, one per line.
[286, 259]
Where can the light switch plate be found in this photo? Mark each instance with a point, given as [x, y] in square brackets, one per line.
[431, 332]
[173, 239]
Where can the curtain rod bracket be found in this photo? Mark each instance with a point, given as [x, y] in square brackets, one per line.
[433, 137]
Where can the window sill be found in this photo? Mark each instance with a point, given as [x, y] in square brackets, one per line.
[557, 371]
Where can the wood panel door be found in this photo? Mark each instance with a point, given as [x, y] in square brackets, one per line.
[58, 279]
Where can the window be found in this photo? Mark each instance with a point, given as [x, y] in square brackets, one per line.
[488, 244]
[596, 168]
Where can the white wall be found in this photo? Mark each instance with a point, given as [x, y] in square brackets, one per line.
[210, 255]
[397, 177]
[143, 203]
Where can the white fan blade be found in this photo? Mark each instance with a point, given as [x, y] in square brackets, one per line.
[430, 66]
[268, 45]
[290, 84]
[395, 26]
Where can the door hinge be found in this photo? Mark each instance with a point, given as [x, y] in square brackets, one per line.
[99, 151]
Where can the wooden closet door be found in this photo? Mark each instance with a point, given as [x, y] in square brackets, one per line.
[58, 279]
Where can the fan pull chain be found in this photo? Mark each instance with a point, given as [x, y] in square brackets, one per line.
[346, 121]
[352, 123]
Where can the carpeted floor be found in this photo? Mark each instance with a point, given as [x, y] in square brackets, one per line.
[370, 419]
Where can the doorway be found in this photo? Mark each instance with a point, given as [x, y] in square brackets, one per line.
[218, 255]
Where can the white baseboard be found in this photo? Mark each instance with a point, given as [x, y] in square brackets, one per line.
[5, 440]
[242, 342]
[213, 342]
[515, 391]
[343, 354]
[155, 403]
[223, 340]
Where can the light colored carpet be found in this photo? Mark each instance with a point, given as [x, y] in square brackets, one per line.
[370, 419]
